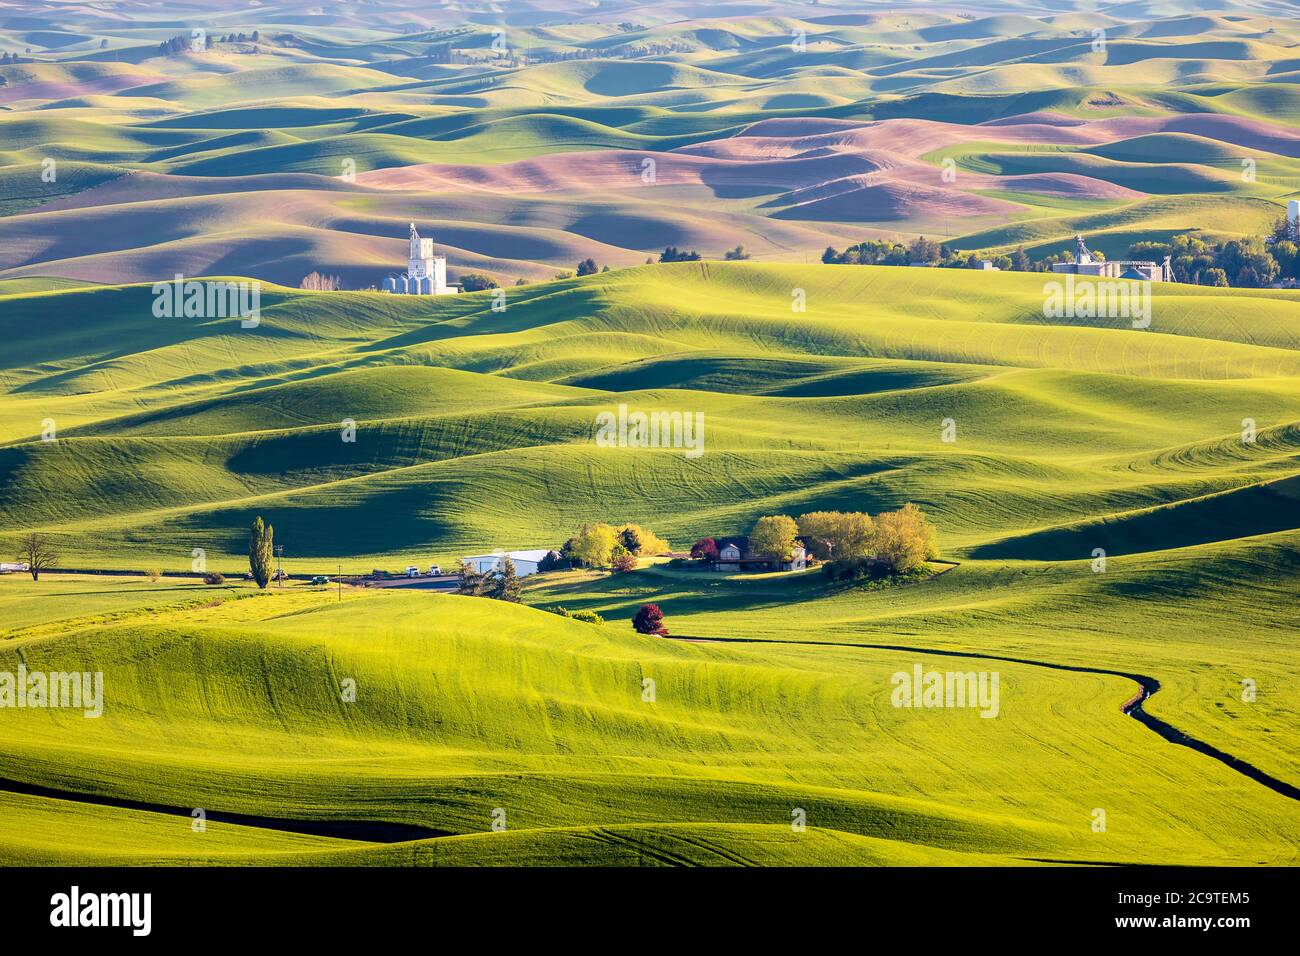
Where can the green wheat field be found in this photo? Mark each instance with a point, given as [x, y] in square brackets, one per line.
[1112, 503]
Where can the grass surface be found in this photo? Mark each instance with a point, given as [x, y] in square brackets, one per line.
[474, 431]
[133, 442]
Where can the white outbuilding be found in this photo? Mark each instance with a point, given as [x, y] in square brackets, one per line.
[526, 562]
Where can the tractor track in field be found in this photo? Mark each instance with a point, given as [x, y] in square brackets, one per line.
[1147, 686]
[362, 830]
[386, 832]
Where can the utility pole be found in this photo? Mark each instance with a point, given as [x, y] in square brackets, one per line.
[339, 581]
[279, 572]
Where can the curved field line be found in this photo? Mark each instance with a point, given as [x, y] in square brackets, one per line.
[1132, 707]
[366, 831]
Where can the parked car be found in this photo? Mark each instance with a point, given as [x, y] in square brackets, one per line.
[412, 572]
[434, 569]
[320, 579]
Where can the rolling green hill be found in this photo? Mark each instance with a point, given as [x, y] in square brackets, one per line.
[1117, 502]
[585, 771]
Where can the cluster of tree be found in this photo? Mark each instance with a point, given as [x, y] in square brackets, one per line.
[736, 254]
[12, 58]
[899, 540]
[673, 254]
[502, 584]
[477, 282]
[180, 44]
[599, 545]
[637, 51]
[888, 252]
[320, 283]
[1253, 262]
[588, 267]
[625, 51]
[253, 37]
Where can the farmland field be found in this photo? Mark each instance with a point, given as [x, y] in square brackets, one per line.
[1116, 501]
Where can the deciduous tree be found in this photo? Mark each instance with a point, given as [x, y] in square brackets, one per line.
[650, 620]
[773, 537]
[594, 543]
[836, 535]
[706, 549]
[904, 539]
[37, 554]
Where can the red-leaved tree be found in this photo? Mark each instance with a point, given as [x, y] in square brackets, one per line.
[650, 620]
[705, 548]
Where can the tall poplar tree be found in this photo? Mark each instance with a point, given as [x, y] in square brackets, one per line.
[261, 551]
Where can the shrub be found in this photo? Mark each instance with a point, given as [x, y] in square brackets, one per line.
[854, 569]
[623, 559]
[320, 283]
[587, 267]
[869, 574]
[650, 620]
[551, 561]
[586, 617]
[153, 574]
[214, 577]
[477, 282]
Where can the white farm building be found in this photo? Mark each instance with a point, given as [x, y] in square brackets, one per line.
[526, 562]
[426, 274]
